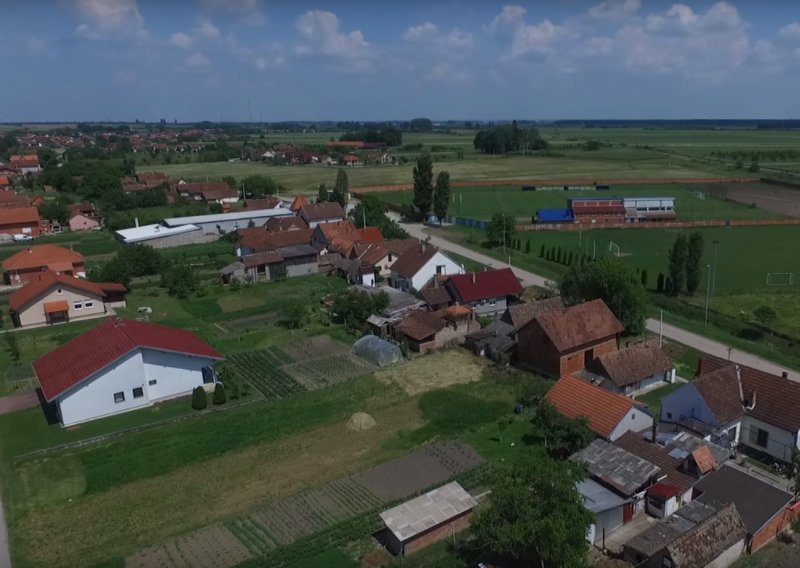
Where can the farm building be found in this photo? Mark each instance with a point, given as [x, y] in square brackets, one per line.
[319, 213]
[123, 365]
[608, 508]
[429, 518]
[28, 264]
[20, 221]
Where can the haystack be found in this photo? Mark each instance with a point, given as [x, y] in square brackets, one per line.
[360, 421]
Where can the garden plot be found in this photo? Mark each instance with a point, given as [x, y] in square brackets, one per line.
[315, 348]
[262, 369]
[211, 547]
[321, 373]
[423, 468]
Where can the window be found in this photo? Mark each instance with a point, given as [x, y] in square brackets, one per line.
[633, 416]
[59, 291]
[77, 305]
[138, 392]
[493, 302]
[390, 257]
[88, 304]
[669, 415]
[151, 382]
[762, 438]
[208, 375]
[440, 269]
[119, 397]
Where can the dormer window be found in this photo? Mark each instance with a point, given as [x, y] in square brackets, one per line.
[59, 291]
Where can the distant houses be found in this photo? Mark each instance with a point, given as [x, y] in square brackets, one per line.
[27, 265]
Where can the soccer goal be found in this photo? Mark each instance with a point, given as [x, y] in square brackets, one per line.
[780, 278]
[613, 248]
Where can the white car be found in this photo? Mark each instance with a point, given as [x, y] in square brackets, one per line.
[20, 238]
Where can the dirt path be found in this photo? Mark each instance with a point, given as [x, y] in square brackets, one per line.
[16, 402]
[695, 340]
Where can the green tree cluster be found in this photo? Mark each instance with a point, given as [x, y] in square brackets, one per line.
[502, 230]
[260, 186]
[423, 185]
[373, 211]
[199, 398]
[685, 259]
[340, 188]
[353, 307]
[508, 138]
[441, 195]
[180, 280]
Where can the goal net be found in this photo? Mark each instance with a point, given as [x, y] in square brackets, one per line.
[780, 278]
[613, 248]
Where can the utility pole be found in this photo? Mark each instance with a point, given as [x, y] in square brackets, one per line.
[661, 329]
[708, 292]
[504, 234]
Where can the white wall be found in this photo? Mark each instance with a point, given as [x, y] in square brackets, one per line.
[636, 420]
[779, 443]
[175, 374]
[428, 270]
[728, 557]
[34, 313]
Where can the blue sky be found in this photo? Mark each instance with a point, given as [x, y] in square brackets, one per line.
[352, 60]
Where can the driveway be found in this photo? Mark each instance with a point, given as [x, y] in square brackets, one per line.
[527, 278]
[16, 402]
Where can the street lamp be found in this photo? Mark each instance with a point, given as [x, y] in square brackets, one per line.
[708, 292]
[714, 272]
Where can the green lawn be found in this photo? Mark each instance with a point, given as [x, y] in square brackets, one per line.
[483, 202]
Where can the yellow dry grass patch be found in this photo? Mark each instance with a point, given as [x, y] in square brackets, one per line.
[147, 512]
[435, 371]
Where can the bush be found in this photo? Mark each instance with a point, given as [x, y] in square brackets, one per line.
[199, 398]
[13, 347]
[219, 394]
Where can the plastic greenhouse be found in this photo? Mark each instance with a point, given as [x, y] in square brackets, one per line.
[377, 351]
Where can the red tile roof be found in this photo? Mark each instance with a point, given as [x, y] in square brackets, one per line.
[520, 314]
[604, 410]
[56, 306]
[370, 234]
[704, 459]
[202, 187]
[484, 285]
[340, 230]
[26, 161]
[4, 180]
[38, 256]
[222, 192]
[278, 224]
[45, 282]
[369, 253]
[11, 199]
[298, 203]
[579, 325]
[261, 258]
[19, 216]
[270, 202]
[99, 347]
[631, 364]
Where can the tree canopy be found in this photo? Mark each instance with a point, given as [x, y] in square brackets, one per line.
[613, 281]
[355, 306]
[259, 186]
[441, 195]
[373, 211]
[508, 138]
[340, 188]
[694, 259]
[423, 185]
[502, 230]
[536, 514]
[678, 259]
[380, 133]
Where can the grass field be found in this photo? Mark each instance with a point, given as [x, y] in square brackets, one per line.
[691, 202]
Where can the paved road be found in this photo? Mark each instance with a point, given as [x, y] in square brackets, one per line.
[680, 335]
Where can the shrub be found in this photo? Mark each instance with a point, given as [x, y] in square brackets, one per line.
[13, 347]
[542, 251]
[235, 285]
[765, 315]
[219, 394]
[199, 399]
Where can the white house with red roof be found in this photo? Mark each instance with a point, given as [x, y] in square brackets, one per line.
[487, 293]
[122, 365]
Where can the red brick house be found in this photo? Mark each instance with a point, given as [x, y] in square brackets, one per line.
[20, 221]
[560, 342]
[28, 264]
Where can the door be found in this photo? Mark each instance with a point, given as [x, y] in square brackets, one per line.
[627, 513]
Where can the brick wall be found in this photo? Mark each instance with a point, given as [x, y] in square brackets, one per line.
[438, 533]
[536, 351]
[774, 527]
[574, 362]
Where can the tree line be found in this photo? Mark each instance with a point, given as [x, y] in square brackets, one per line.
[508, 138]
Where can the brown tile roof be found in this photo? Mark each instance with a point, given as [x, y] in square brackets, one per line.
[322, 211]
[221, 192]
[420, 325]
[206, 186]
[704, 459]
[720, 390]
[261, 258]
[578, 325]
[633, 443]
[278, 224]
[777, 400]
[604, 410]
[631, 364]
[410, 263]
[370, 253]
[270, 202]
[261, 241]
[520, 314]
[370, 235]
[401, 246]
[705, 542]
[340, 230]
[38, 256]
[45, 282]
[435, 295]
[298, 203]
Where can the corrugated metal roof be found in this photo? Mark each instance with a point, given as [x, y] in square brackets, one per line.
[427, 511]
[597, 498]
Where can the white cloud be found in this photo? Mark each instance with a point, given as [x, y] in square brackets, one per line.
[261, 58]
[790, 32]
[182, 40]
[680, 19]
[322, 34]
[614, 9]
[430, 34]
[510, 16]
[251, 11]
[208, 30]
[197, 61]
[538, 38]
[422, 32]
[110, 19]
[446, 73]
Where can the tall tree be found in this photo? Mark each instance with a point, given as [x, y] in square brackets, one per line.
[322, 193]
[678, 256]
[536, 514]
[340, 188]
[502, 230]
[693, 260]
[613, 281]
[441, 195]
[423, 185]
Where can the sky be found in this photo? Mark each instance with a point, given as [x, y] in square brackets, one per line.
[236, 60]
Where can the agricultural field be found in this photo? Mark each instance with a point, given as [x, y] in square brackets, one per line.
[454, 366]
[693, 202]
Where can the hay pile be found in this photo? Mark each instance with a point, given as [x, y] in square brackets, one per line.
[360, 421]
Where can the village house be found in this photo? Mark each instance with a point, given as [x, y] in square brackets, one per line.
[123, 365]
[559, 342]
[12, 199]
[415, 269]
[270, 202]
[436, 295]
[26, 164]
[487, 293]
[253, 240]
[28, 264]
[739, 405]
[320, 213]
[20, 221]
[631, 369]
[423, 330]
[608, 415]
[52, 298]
[338, 236]
[79, 221]
[278, 224]
[209, 192]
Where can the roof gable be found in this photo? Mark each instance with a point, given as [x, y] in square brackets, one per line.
[410, 263]
[631, 364]
[483, 285]
[604, 410]
[520, 314]
[721, 392]
[322, 211]
[658, 456]
[92, 351]
[581, 324]
[47, 281]
[41, 255]
[421, 324]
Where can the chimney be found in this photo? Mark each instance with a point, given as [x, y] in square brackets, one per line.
[785, 374]
[136, 221]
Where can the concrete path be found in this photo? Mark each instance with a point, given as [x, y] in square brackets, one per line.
[680, 335]
[16, 402]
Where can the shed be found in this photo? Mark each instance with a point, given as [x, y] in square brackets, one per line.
[377, 351]
[554, 216]
[607, 508]
[428, 518]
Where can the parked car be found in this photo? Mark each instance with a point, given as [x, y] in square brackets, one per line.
[21, 238]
